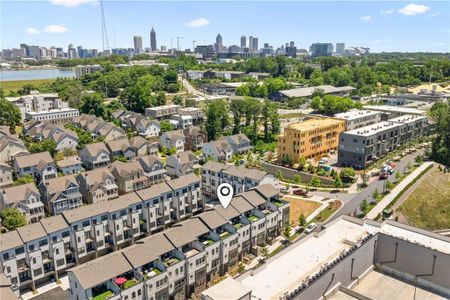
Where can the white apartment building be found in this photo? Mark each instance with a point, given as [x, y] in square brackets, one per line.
[359, 118]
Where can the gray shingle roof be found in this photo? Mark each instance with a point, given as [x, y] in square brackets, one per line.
[147, 250]
[212, 219]
[241, 205]
[186, 232]
[183, 181]
[33, 159]
[31, 232]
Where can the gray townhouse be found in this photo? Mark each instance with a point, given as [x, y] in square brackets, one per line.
[69, 165]
[224, 148]
[240, 178]
[181, 164]
[361, 147]
[39, 165]
[195, 138]
[121, 148]
[98, 185]
[173, 140]
[94, 156]
[26, 199]
[161, 112]
[139, 145]
[130, 176]
[6, 175]
[153, 168]
[60, 194]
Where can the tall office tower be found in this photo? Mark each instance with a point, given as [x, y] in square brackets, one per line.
[243, 41]
[291, 44]
[321, 49]
[34, 51]
[137, 44]
[25, 50]
[218, 46]
[80, 51]
[153, 40]
[340, 48]
[253, 43]
[71, 51]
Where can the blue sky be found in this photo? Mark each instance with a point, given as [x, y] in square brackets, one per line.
[381, 26]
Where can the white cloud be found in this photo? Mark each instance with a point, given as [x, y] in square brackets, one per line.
[413, 9]
[55, 29]
[31, 30]
[72, 3]
[366, 18]
[200, 22]
[387, 12]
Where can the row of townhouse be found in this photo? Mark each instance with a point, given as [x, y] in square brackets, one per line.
[63, 138]
[179, 116]
[138, 123]
[191, 138]
[59, 194]
[43, 250]
[362, 146]
[185, 259]
[240, 178]
[98, 127]
[224, 148]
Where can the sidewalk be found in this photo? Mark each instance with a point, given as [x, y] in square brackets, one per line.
[389, 197]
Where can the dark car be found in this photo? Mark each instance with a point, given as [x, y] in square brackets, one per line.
[300, 192]
[383, 176]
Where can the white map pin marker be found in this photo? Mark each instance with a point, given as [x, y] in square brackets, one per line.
[225, 193]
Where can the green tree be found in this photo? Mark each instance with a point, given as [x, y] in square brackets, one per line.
[287, 232]
[364, 206]
[279, 175]
[297, 179]
[12, 218]
[376, 195]
[302, 221]
[160, 99]
[440, 114]
[177, 100]
[216, 119]
[23, 180]
[166, 126]
[347, 174]
[337, 182]
[9, 114]
[45, 145]
[264, 253]
[315, 181]
[92, 104]
[237, 109]
[241, 268]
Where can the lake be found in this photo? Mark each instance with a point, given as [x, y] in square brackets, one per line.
[10, 75]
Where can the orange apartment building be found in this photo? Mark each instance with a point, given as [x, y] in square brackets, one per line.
[311, 138]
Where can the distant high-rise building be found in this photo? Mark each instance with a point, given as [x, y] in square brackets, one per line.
[137, 44]
[340, 48]
[243, 41]
[34, 51]
[218, 46]
[291, 44]
[321, 49]
[291, 51]
[253, 43]
[24, 48]
[163, 48]
[71, 52]
[153, 40]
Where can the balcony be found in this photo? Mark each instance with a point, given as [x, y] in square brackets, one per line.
[253, 218]
[151, 272]
[278, 203]
[238, 225]
[102, 295]
[170, 261]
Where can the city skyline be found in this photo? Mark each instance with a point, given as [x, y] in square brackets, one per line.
[384, 26]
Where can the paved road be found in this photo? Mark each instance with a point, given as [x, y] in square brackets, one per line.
[353, 201]
[189, 88]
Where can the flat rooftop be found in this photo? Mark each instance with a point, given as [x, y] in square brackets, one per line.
[356, 114]
[389, 108]
[376, 285]
[312, 124]
[370, 130]
[287, 271]
[406, 119]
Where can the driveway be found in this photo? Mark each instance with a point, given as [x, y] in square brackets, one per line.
[54, 294]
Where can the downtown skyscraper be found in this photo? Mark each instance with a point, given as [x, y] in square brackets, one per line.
[138, 44]
[153, 40]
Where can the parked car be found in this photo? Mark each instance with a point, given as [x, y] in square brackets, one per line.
[383, 176]
[323, 160]
[311, 227]
[284, 190]
[300, 192]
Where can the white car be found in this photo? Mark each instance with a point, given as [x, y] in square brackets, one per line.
[311, 227]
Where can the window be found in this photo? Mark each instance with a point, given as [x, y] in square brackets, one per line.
[6, 256]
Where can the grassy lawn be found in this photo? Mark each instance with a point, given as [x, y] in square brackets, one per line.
[129, 283]
[105, 295]
[324, 214]
[428, 206]
[8, 86]
[300, 206]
